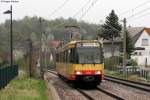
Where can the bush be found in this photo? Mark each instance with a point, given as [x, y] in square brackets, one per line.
[112, 63]
[133, 77]
[133, 63]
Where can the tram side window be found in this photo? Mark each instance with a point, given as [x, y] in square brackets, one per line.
[57, 58]
[72, 55]
[61, 57]
[101, 55]
[65, 54]
[68, 55]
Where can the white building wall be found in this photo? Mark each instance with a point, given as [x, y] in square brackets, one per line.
[142, 55]
[108, 50]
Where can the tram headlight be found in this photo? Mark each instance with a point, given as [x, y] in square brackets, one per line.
[97, 72]
[78, 73]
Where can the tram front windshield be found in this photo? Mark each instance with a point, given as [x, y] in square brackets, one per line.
[89, 55]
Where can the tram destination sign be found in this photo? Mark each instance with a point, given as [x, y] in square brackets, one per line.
[9, 1]
[88, 44]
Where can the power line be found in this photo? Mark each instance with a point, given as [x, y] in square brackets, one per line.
[141, 11]
[79, 11]
[59, 7]
[92, 4]
[140, 16]
[134, 8]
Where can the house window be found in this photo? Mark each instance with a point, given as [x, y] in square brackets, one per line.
[144, 42]
[140, 53]
[135, 53]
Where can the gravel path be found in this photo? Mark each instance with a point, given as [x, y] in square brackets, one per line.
[64, 91]
[98, 95]
[126, 92]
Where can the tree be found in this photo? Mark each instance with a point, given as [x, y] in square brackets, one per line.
[129, 45]
[111, 28]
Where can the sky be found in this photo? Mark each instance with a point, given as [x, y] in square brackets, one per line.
[137, 12]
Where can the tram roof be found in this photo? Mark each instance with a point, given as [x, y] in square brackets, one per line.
[88, 41]
[74, 42]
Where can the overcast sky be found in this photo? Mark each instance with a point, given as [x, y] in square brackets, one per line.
[137, 12]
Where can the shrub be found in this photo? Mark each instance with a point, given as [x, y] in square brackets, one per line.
[133, 77]
[112, 63]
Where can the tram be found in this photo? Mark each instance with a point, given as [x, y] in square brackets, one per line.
[81, 61]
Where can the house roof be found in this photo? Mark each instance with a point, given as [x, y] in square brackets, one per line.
[116, 40]
[135, 32]
[147, 30]
[55, 43]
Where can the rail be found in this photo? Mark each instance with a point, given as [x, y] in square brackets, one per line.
[79, 90]
[88, 96]
[133, 84]
[110, 93]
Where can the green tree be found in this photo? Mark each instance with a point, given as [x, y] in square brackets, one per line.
[129, 45]
[111, 28]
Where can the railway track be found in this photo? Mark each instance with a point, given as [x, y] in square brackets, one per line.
[101, 90]
[79, 90]
[110, 94]
[87, 96]
[133, 84]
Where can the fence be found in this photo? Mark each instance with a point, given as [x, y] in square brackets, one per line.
[144, 73]
[7, 74]
[133, 71]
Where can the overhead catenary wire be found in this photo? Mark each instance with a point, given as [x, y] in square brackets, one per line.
[76, 13]
[92, 5]
[139, 12]
[131, 10]
[59, 7]
[143, 15]
[81, 9]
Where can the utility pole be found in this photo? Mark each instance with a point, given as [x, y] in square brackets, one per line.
[124, 42]
[45, 56]
[30, 56]
[40, 52]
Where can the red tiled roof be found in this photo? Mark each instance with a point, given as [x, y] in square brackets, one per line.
[147, 30]
[55, 43]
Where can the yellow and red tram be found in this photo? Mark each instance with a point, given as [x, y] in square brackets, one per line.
[81, 61]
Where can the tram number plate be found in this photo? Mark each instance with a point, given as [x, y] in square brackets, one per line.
[88, 72]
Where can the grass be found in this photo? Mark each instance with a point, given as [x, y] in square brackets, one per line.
[148, 78]
[24, 88]
[115, 73]
[133, 77]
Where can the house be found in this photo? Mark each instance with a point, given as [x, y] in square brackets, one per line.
[116, 47]
[141, 41]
